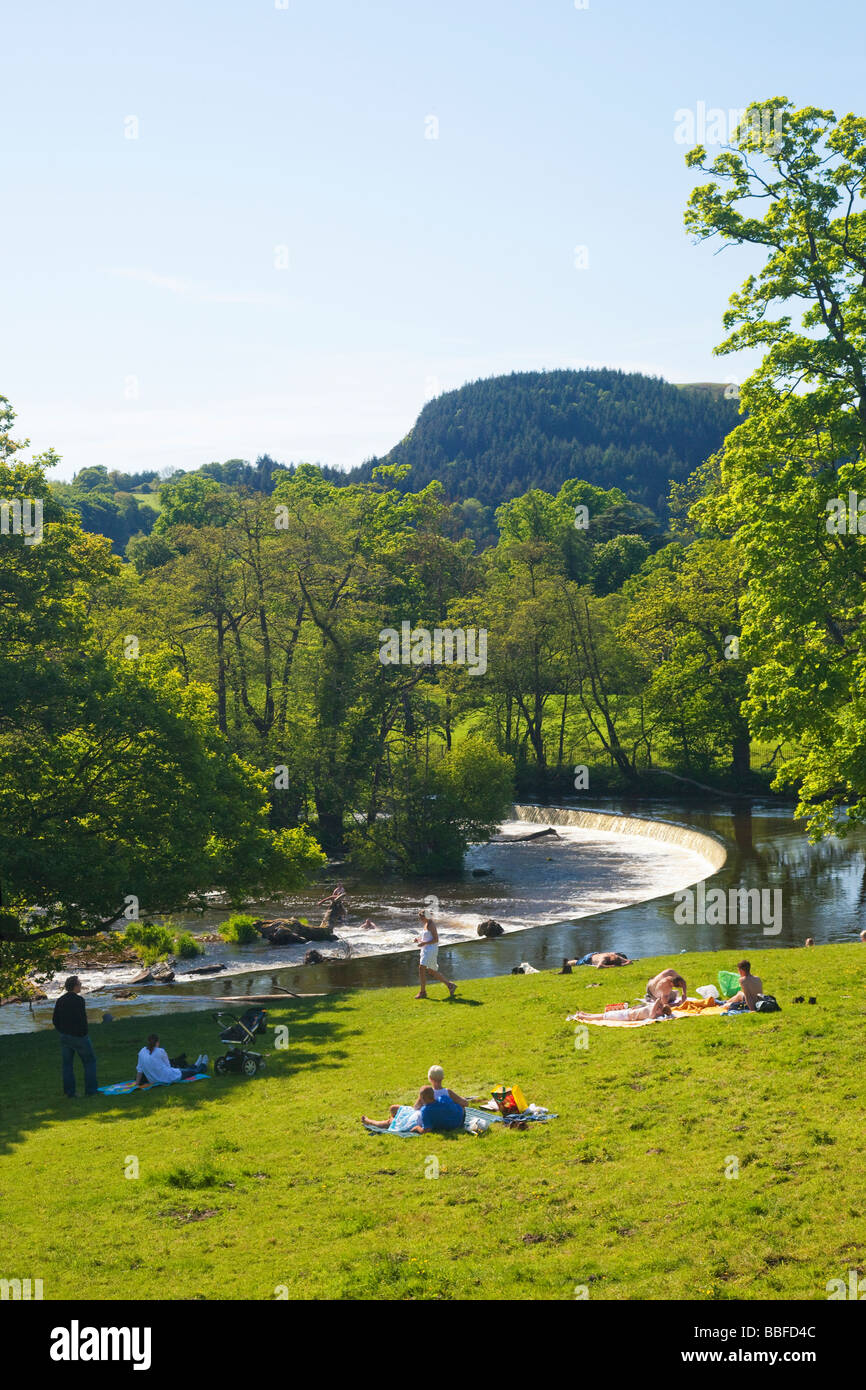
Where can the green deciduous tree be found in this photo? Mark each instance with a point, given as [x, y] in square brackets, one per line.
[798, 200]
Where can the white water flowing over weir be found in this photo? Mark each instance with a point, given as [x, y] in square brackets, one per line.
[596, 863]
[708, 846]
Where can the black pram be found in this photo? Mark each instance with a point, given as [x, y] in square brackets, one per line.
[240, 1033]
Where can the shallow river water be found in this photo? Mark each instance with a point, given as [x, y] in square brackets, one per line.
[583, 890]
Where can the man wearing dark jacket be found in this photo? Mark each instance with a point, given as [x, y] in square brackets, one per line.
[70, 1020]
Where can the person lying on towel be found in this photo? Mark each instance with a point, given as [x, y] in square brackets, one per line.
[600, 960]
[637, 1015]
[153, 1066]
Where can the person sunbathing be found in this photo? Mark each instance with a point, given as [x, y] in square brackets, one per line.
[436, 1077]
[602, 959]
[402, 1118]
[750, 987]
[407, 1117]
[639, 1014]
[435, 1115]
[662, 987]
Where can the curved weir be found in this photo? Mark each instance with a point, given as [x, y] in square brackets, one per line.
[555, 897]
[710, 846]
[754, 846]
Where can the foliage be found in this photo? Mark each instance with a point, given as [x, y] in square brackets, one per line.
[495, 439]
[186, 946]
[240, 929]
[799, 200]
[152, 941]
[434, 808]
[114, 781]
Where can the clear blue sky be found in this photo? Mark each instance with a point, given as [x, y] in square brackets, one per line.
[148, 265]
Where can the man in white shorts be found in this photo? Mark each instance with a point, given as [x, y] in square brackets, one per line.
[427, 965]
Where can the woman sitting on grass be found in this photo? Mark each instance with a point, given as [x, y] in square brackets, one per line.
[436, 1077]
[154, 1068]
[426, 1115]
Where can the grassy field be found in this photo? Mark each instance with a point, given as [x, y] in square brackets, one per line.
[252, 1189]
[148, 499]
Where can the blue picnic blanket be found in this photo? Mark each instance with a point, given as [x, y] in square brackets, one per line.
[403, 1121]
[124, 1088]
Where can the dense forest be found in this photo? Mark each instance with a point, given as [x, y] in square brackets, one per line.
[487, 443]
[495, 439]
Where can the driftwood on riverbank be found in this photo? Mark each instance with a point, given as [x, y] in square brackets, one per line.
[519, 839]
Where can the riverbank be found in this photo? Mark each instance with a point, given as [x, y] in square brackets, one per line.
[254, 1185]
[590, 863]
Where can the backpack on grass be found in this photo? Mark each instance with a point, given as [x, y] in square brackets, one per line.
[767, 1004]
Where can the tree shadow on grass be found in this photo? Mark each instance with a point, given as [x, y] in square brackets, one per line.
[31, 1092]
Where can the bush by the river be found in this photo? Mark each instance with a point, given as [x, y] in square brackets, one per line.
[239, 929]
[155, 941]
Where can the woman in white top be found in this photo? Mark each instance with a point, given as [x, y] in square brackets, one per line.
[154, 1067]
[429, 943]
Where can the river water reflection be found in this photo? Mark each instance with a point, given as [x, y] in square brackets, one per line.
[823, 895]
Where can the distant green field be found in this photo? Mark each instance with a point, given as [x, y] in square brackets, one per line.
[149, 499]
[254, 1189]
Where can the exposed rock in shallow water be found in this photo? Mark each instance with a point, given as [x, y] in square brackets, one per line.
[291, 932]
[489, 928]
[159, 974]
[101, 951]
[30, 996]
[530, 835]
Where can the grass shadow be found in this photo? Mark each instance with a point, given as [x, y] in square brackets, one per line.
[31, 1093]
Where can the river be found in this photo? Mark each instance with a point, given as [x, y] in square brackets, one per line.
[586, 889]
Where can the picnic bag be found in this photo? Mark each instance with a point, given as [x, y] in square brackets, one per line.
[767, 1004]
[509, 1099]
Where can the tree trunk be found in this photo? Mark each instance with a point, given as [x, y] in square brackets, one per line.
[741, 751]
[222, 718]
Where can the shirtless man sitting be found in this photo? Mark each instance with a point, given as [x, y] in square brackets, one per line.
[750, 988]
[636, 1015]
[662, 987]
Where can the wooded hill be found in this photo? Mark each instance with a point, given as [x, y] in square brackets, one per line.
[495, 439]
[487, 443]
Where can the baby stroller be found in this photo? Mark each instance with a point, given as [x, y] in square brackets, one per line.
[241, 1033]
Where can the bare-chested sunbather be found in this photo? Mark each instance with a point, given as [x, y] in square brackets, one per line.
[601, 959]
[663, 985]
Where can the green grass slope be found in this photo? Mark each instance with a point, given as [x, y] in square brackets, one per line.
[266, 1188]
